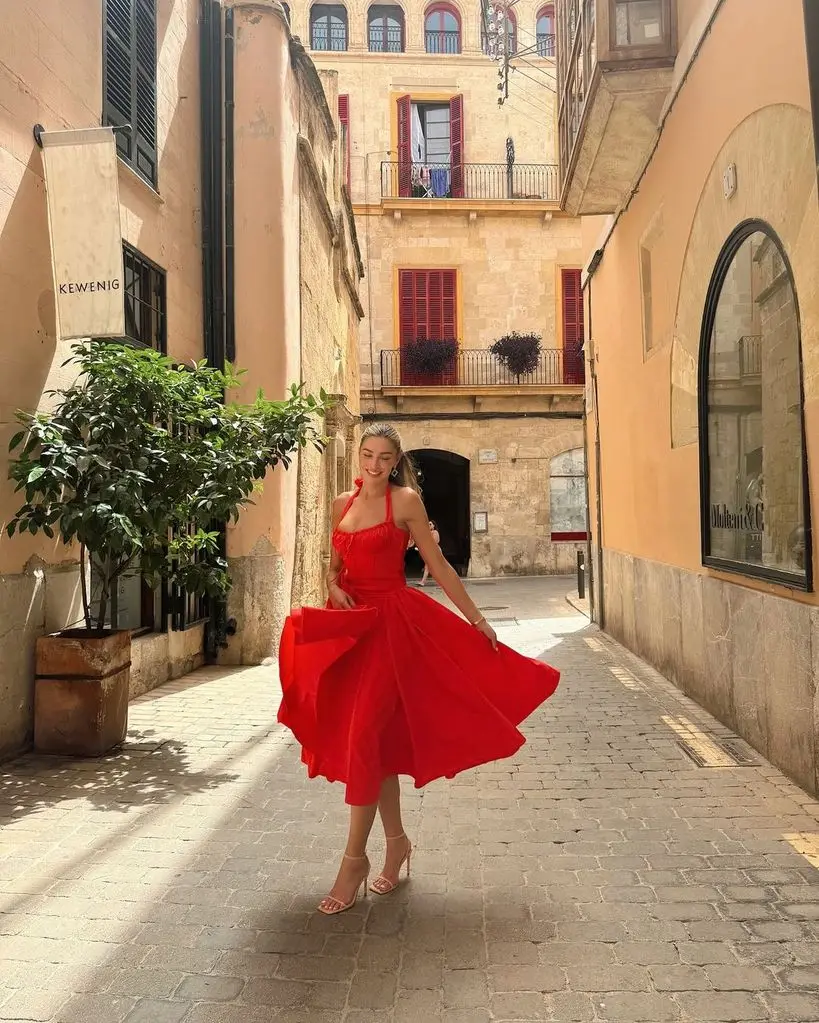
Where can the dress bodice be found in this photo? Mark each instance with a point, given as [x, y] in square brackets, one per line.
[372, 558]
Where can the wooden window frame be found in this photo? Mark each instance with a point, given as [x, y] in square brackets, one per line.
[382, 17]
[442, 8]
[546, 11]
[456, 143]
[158, 289]
[344, 119]
[328, 12]
[129, 82]
[573, 326]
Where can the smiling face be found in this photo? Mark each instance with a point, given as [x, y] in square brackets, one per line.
[377, 458]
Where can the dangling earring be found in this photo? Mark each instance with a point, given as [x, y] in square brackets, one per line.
[394, 473]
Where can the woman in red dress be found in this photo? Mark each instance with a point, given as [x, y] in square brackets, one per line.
[386, 681]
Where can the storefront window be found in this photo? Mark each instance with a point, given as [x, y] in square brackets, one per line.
[755, 517]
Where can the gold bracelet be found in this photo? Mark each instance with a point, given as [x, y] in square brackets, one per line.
[478, 622]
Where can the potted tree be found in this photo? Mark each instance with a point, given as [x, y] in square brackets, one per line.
[518, 353]
[133, 464]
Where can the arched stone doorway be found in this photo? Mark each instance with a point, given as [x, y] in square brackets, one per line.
[444, 480]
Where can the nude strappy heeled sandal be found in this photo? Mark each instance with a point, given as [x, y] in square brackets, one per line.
[342, 907]
[382, 885]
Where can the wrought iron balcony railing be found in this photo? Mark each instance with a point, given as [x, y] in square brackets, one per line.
[469, 181]
[443, 42]
[480, 368]
[323, 40]
[389, 40]
[545, 45]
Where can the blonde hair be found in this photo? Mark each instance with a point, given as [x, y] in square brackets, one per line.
[404, 473]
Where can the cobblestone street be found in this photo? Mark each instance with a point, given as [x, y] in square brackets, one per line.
[600, 875]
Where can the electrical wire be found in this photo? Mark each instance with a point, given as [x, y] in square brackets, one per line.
[536, 67]
[524, 75]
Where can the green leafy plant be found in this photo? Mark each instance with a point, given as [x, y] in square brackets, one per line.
[518, 353]
[429, 356]
[140, 456]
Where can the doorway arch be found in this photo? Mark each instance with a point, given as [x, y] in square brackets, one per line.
[444, 478]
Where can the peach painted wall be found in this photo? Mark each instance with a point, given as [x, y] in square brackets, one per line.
[51, 73]
[651, 489]
[266, 229]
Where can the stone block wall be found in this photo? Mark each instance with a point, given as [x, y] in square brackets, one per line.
[508, 274]
[373, 81]
[513, 491]
[747, 656]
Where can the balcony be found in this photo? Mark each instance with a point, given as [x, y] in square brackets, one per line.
[476, 369]
[469, 181]
[615, 69]
[442, 42]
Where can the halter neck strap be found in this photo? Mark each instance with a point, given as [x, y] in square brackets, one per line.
[358, 485]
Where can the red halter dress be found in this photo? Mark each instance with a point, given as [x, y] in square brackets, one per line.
[399, 684]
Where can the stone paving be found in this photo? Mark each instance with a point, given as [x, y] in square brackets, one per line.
[600, 875]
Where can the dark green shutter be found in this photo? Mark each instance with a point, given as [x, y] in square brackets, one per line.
[130, 80]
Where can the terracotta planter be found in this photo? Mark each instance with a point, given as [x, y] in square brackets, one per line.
[81, 692]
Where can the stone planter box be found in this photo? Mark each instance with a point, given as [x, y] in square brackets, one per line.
[81, 692]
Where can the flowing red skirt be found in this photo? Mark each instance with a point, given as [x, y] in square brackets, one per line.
[401, 685]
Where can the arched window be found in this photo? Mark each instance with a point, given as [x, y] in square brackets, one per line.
[385, 28]
[753, 470]
[328, 27]
[567, 497]
[442, 29]
[545, 31]
[511, 31]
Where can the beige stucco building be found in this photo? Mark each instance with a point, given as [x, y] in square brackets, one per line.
[701, 296]
[463, 241]
[245, 249]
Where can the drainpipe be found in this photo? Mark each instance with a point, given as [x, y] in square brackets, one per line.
[230, 246]
[210, 53]
[597, 572]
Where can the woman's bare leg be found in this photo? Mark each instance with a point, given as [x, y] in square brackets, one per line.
[355, 866]
[389, 809]
[425, 576]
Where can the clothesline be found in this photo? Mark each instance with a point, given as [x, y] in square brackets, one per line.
[434, 180]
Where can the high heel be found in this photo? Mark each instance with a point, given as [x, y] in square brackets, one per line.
[341, 907]
[382, 885]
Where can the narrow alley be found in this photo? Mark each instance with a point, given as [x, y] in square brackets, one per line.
[600, 875]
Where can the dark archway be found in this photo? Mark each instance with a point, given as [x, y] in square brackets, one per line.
[444, 478]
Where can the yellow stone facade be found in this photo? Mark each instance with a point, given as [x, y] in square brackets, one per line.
[507, 252]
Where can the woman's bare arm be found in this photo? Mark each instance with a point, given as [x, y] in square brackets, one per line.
[410, 510]
[340, 600]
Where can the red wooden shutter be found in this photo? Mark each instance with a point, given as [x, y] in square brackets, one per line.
[573, 369]
[344, 117]
[404, 146]
[449, 312]
[427, 308]
[456, 144]
[407, 325]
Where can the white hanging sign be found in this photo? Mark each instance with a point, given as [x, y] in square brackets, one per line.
[82, 192]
